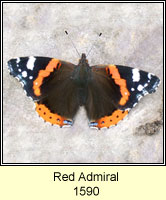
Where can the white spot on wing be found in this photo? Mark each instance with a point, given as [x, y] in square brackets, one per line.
[145, 92]
[31, 77]
[139, 97]
[30, 63]
[93, 127]
[134, 104]
[24, 74]
[68, 123]
[149, 75]
[132, 89]
[17, 60]
[30, 97]
[66, 126]
[136, 75]
[22, 83]
[140, 88]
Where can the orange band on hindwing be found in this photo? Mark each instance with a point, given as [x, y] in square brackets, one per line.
[48, 116]
[111, 120]
[53, 64]
[113, 71]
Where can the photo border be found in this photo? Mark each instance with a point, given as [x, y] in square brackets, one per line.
[82, 164]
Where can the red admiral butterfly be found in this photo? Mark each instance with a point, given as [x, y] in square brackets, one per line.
[59, 88]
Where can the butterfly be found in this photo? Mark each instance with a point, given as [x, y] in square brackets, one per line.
[59, 88]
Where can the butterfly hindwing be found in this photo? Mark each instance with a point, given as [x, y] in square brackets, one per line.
[103, 95]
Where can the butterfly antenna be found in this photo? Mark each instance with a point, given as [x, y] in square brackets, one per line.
[92, 46]
[72, 43]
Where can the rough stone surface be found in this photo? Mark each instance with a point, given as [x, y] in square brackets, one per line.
[132, 35]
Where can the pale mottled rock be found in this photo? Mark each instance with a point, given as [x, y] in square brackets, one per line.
[132, 35]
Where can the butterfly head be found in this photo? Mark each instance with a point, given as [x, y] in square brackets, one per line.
[83, 59]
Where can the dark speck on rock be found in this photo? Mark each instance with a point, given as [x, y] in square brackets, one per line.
[149, 128]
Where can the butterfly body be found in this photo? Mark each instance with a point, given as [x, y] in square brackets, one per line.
[59, 88]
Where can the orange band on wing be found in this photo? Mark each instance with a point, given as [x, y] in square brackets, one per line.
[111, 120]
[113, 71]
[48, 116]
[53, 64]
